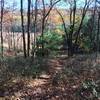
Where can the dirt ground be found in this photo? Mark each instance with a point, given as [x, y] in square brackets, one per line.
[62, 81]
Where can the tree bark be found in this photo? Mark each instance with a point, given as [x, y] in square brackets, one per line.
[2, 10]
[35, 25]
[23, 32]
[28, 28]
[45, 14]
[85, 8]
[98, 32]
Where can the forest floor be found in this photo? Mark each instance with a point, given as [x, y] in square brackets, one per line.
[62, 80]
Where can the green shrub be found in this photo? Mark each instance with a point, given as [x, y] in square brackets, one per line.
[51, 41]
[5, 74]
[89, 90]
[18, 66]
[86, 45]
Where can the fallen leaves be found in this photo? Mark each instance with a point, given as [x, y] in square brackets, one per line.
[71, 72]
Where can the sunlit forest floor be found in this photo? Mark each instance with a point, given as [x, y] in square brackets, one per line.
[52, 78]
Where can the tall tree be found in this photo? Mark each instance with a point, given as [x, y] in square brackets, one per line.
[72, 25]
[92, 21]
[69, 35]
[45, 14]
[72, 32]
[2, 11]
[98, 26]
[35, 24]
[22, 24]
[28, 27]
[84, 11]
[13, 35]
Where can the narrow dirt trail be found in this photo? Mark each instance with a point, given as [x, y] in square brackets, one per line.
[43, 87]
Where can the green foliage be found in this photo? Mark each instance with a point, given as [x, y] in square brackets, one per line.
[89, 90]
[88, 34]
[51, 41]
[5, 74]
[86, 44]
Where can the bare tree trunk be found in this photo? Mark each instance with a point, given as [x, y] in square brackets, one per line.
[35, 26]
[68, 36]
[45, 14]
[85, 8]
[23, 32]
[42, 35]
[14, 40]
[98, 32]
[9, 41]
[28, 28]
[93, 21]
[72, 25]
[13, 33]
[2, 10]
